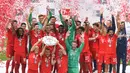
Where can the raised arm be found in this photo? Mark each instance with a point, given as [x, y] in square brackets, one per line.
[72, 31]
[103, 29]
[113, 23]
[68, 46]
[28, 23]
[35, 45]
[53, 61]
[7, 25]
[62, 48]
[73, 24]
[49, 13]
[101, 18]
[45, 23]
[117, 32]
[43, 50]
[30, 16]
[61, 18]
[101, 15]
[54, 50]
[82, 44]
[118, 20]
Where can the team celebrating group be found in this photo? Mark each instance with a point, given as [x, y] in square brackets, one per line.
[80, 48]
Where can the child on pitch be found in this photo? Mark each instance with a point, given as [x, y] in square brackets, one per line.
[73, 54]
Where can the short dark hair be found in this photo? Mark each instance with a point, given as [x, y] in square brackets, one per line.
[82, 28]
[52, 17]
[61, 26]
[14, 21]
[109, 29]
[122, 22]
[40, 15]
[96, 24]
[23, 24]
[35, 24]
[79, 22]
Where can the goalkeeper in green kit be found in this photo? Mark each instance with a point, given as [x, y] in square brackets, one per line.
[73, 54]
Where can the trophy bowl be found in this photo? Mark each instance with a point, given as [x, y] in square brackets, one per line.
[49, 40]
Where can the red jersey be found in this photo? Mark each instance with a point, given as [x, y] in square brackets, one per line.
[33, 61]
[111, 44]
[20, 45]
[90, 35]
[86, 43]
[35, 36]
[62, 64]
[61, 39]
[102, 44]
[46, 66]
[96, 41]
[10, 36]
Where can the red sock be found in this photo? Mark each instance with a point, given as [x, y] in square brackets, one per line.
[99, 68]
[7, 65]
[17, 68]
[23, 68]
[13, 65]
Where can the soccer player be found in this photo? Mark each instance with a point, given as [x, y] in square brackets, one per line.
[102, 47]
[36, 33]
[34, 57]
[95, 44]
[73, 54]
[10, 43]
[110, 52]
[61, 38]
[108, 25]
[85, 56]
[47, 61]
[61, 60]
[20, 50]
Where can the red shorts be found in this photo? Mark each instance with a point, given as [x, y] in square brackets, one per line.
[32, 71]
[110, 59]
[85, 57]
[100, 58]
[9, 51]
[19, 58]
